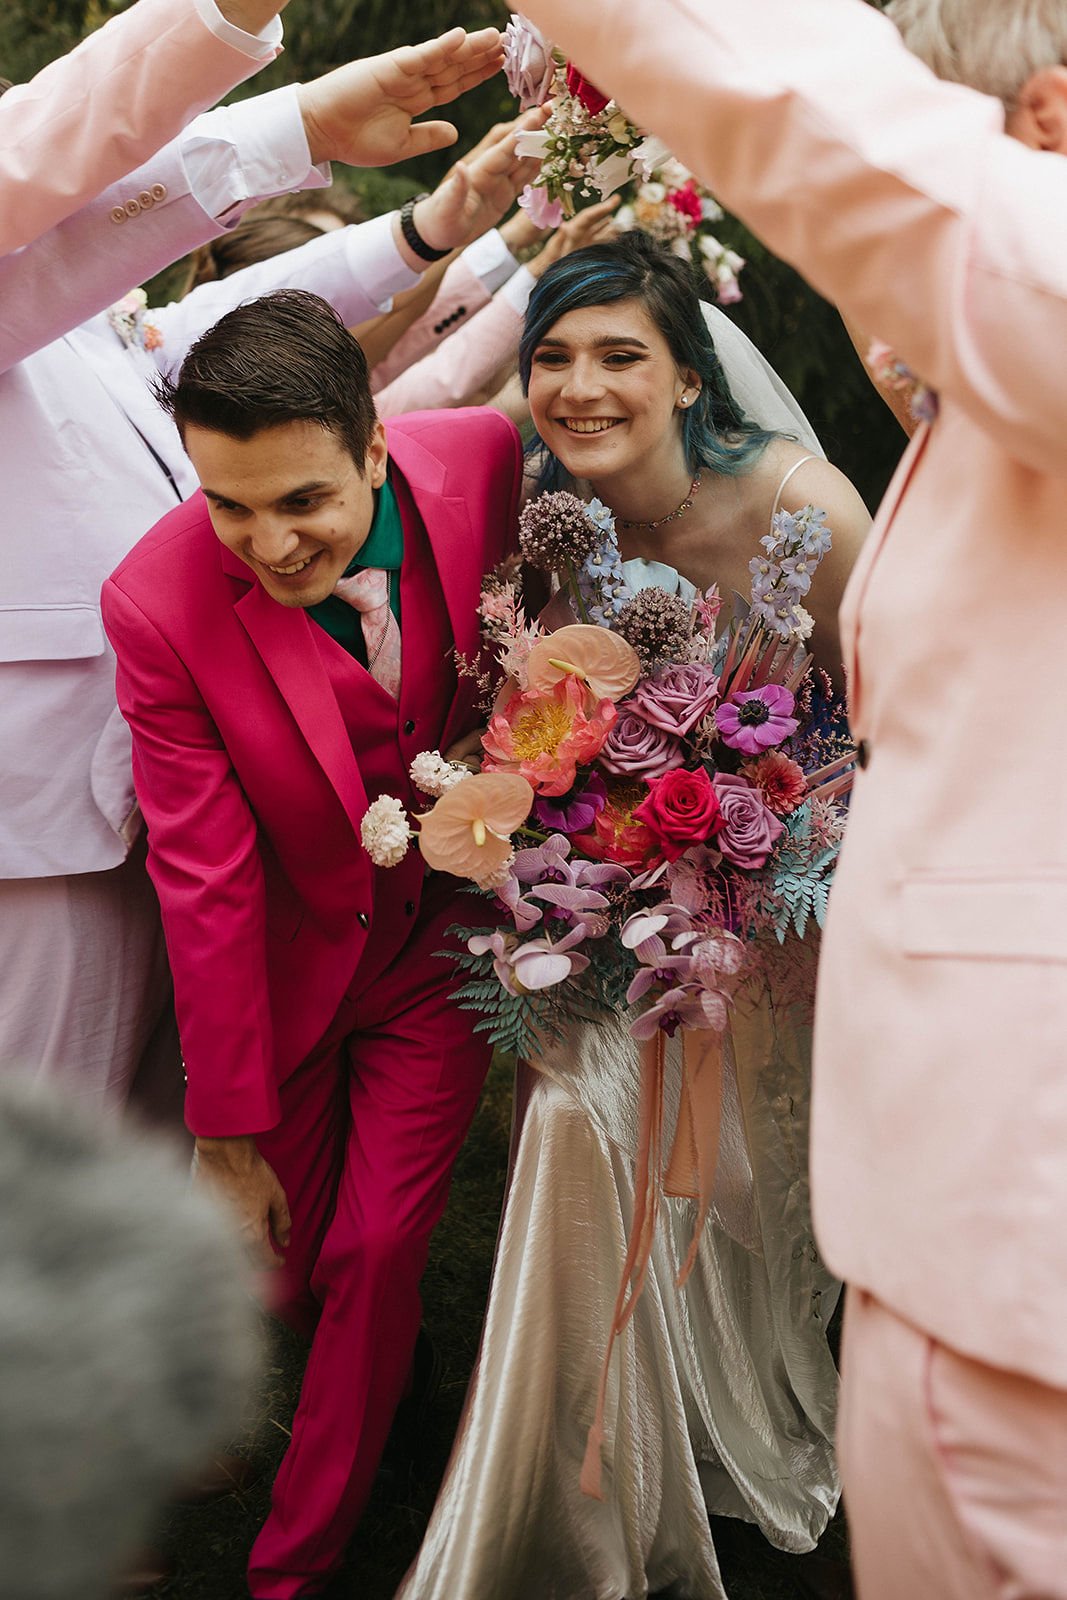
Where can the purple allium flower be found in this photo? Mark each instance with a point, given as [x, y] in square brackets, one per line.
[658, 625]
[575, 811]
[752, 720]
[555, 532]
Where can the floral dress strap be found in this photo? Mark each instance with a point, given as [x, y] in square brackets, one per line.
[781, 487]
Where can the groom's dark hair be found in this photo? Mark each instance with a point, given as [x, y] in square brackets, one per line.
[286, 357]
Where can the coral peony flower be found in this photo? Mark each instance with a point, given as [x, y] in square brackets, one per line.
[616, 837]
[779, 780]
[749, 830]
[753, 720]
[546, 737]
[588, 93]
[469, 830]
[528, 63]
[681, 809]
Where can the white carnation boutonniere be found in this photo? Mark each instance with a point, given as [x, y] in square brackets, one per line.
[134, 323]
[385, 831]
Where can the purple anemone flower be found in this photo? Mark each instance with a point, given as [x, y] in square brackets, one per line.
[575, 811]
[754, 720]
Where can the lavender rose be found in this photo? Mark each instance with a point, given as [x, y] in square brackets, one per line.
[749, 828]
[677, 698]
[636, 749]
[528, 63]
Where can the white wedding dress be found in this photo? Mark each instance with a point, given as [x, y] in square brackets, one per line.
[722, 1395]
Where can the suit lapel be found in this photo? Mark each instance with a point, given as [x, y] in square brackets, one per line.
[285, 642]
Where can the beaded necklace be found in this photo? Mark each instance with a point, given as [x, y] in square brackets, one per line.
[671, 516]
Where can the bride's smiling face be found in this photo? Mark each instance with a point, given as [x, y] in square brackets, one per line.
[605, 392]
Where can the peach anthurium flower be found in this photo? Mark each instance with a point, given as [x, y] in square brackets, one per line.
[547, 736]
[469, 830]
[600, 659]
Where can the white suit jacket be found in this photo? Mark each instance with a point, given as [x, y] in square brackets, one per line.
[95, 114]
[940, 1120]
[88, 462]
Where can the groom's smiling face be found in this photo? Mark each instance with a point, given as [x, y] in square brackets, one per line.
[290, 501]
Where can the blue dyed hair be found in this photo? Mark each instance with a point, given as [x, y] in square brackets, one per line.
[715, 431]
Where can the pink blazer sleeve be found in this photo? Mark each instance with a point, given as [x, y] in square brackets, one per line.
[461, 294]
[457, 372]
[899, 197]
[95, 114]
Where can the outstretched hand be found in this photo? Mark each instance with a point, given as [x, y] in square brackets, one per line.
[362, 113]
[477, 192]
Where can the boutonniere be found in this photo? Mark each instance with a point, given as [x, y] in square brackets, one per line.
[888, 370]
[133, 322]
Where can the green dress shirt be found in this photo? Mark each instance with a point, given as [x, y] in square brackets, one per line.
[384, 547]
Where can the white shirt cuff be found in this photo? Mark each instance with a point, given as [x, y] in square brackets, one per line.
[518, 289]
[263, 46]
[249, 151]
[375, 262]
[490, 259]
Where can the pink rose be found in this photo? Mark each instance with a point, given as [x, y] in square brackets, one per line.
[635, 748]
[528, 64]
[677, 698]
[749, 830]
[682, 809]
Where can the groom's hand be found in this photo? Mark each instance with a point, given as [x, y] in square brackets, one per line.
[362, 113]
[235, 1169]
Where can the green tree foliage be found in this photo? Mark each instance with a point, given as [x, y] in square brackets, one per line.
[797, 331]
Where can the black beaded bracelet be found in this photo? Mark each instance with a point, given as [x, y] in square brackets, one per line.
[413, 237]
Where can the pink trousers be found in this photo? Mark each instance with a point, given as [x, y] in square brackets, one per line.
[371, 1125]
[955, 1473]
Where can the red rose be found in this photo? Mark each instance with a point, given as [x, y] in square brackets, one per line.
[682, 809]
[586, 92]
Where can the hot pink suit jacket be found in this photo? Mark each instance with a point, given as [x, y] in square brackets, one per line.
[93, 115]
[246, 773]
[940, 1117]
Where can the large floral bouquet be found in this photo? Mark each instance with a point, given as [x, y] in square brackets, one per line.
[658, 800]
[674, 209]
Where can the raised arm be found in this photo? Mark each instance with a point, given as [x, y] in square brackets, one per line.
[92, 116]
[898, 196]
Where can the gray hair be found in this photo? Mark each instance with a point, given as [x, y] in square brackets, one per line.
[126, 1341]
[992, 45]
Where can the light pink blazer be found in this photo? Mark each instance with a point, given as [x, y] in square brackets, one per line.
[92, 116]
[940, 1123]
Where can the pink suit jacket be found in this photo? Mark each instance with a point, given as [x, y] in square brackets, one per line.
[940, 1117]
[246, 773]
[92, 116]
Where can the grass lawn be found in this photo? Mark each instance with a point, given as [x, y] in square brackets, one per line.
[209, 1544]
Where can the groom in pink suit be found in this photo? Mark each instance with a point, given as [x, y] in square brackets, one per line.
[935, 217]
[330, 1079]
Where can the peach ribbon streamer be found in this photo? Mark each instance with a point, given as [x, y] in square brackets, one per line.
[690, 1174]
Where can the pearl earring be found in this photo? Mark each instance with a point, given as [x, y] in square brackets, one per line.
[684, 401]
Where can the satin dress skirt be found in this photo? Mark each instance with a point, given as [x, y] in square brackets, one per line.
[721, 1396]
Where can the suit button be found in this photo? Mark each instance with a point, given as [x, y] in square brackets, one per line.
[409, 726]
[438, 327]
[409, 907]
[118, 214]
[132, 208]
[460, 311]
[147, 199]
[363, 919]
[863, 755]
[159, 191]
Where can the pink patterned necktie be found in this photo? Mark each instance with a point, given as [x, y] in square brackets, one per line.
[368, 592]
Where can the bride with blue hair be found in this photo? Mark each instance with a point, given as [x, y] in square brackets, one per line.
[721, 1396]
